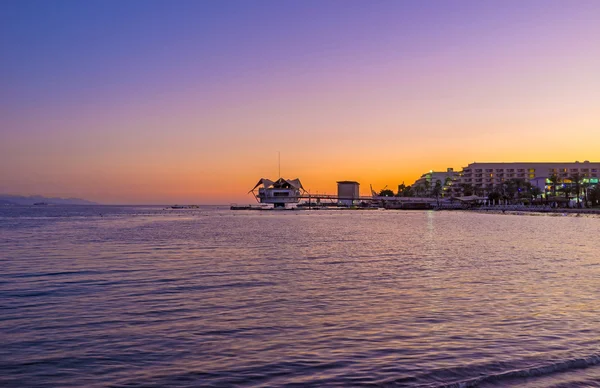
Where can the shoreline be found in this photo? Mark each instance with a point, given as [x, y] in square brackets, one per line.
[525, 210]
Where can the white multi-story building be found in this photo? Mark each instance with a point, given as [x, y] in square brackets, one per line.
[485, 177]
[428, 180]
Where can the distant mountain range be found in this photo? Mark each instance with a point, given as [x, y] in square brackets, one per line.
[38, 199]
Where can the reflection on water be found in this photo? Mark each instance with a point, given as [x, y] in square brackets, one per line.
[153, 297]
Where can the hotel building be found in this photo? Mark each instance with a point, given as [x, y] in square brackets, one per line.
[447, 179]
[485, 177]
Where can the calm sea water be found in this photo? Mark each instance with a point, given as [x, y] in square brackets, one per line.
[140, 296]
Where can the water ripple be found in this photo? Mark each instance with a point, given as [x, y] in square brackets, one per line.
[146, 296]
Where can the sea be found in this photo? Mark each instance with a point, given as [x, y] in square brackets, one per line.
[148, 296]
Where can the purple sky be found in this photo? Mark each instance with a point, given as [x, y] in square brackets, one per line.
[157, 101]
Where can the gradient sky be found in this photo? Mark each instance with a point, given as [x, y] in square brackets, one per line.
[190, 101]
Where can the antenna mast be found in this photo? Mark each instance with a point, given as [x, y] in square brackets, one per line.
[279, 162]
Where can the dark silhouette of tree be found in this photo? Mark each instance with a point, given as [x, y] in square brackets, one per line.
[566, 190]
[576, 180]
[401, 190]
[436, 191]
[585, 187]
[426, 188]
[535, 192]
[510, 190]
[495, 197]
[447, 185]
[555, 180]
[594, 195]
[467, 189]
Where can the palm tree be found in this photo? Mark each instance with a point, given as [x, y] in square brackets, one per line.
[416, 190]
[401, 189]
[447, 184]
[585, 186]
[495, 197]
[576, 179]
[521, 187]
[554, 179]
[427, 188]
[535, 192]
[510, 189]
[436, 191]
[467, 189]
[594, 195]
[566, 190]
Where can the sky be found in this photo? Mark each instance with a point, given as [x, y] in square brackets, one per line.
[161, 102]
